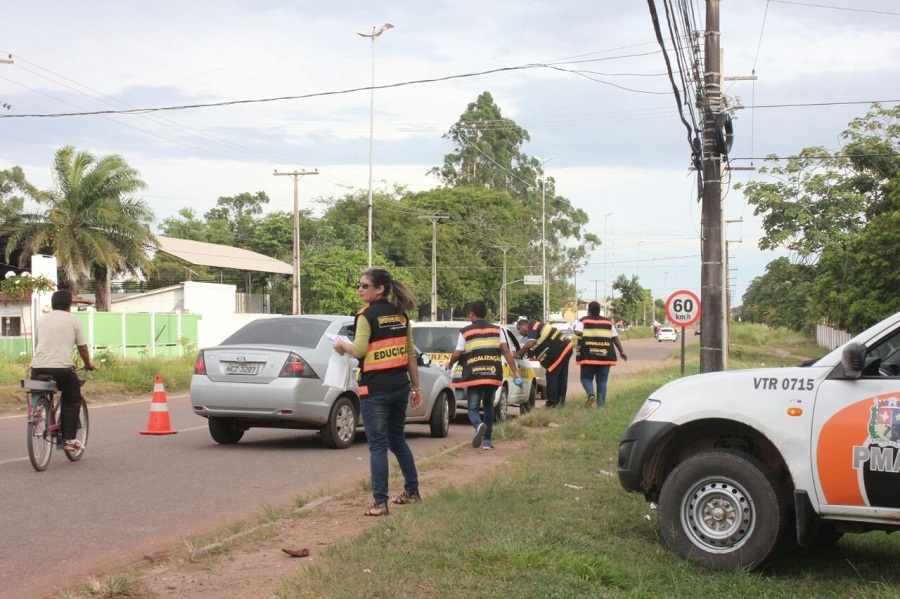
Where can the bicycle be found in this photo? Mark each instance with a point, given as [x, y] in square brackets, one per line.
[43, 428]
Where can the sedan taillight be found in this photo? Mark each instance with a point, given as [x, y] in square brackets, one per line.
[296, 367]
[200, 364]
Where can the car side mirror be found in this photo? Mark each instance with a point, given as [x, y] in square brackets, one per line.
[424, 359]
[853, 359]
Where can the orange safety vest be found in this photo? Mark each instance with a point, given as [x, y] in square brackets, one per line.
[384, 367]
[550, 346]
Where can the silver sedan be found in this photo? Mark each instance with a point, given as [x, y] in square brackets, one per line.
[269, 374]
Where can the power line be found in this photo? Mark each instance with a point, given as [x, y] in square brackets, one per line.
[874, 12]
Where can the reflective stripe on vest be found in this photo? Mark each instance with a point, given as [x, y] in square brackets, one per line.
[386, 353]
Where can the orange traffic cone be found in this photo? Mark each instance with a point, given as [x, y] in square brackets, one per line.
[158, 424]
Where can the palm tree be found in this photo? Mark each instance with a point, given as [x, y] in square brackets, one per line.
[94, 226]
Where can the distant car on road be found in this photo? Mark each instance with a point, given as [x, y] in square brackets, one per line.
[269, 373]
[666, 334]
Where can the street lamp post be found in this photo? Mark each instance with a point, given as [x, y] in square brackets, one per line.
[643, 304]
[605, 249]
[373, 36]
[545, 287]
[503, 297]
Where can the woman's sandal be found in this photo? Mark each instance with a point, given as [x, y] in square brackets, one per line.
[378, 509]
[405, 498]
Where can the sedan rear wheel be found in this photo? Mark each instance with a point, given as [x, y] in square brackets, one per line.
[225, 430]
[340, 430]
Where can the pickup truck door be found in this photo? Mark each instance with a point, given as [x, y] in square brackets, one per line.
[856, 436]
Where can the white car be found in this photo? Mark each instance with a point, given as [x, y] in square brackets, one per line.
[438, 340]
[666, 334]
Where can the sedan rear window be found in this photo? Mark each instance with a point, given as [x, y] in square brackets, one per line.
[297, 332]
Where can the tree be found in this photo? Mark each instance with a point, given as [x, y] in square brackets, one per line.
[15, 190]
[488, 153]
[782, 296]
[631, 305]
[836, 213]
[92, 225]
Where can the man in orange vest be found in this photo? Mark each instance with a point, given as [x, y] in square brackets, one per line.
[553, 351]
[595, 352]
[480, 347]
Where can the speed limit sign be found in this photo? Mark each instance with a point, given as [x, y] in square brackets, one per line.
[683, 308]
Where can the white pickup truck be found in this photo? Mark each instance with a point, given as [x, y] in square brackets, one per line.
[738, 461]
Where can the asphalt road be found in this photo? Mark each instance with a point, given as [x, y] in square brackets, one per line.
[132, 495]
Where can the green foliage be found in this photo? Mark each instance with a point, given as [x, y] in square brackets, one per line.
[839, 214]
[633, 303]
[93, 224]
[23, 285]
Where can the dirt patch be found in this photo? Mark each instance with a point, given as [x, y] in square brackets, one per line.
[254, 563]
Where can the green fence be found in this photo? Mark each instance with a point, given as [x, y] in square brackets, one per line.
[127, 335]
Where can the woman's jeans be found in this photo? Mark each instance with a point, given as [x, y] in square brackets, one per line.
[481, 397]
[590, 372]
[384, 417]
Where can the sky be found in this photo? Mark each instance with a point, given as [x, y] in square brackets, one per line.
[604, 113]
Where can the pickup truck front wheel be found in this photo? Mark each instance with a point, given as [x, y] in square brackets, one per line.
[723, 510]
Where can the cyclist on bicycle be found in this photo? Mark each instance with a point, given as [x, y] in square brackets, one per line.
[57, 331]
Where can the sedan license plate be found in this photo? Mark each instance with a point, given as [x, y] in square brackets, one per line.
[241, 368]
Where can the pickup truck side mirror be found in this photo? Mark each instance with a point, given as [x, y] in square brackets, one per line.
[853, 359]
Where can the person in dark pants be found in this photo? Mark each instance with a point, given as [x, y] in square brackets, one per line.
[480, 347]
[595, 353]
[388, 381]
[57, 332]
[553, 351]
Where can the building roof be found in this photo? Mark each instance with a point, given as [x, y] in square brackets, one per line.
[221, 256]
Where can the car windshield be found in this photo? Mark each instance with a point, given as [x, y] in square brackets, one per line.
[435, 340]
[295, 332]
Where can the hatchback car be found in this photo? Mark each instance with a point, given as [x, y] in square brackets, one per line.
[438, 340]
[269, 374]
[666, 334]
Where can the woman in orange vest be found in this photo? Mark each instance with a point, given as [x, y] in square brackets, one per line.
[388, 381]
[595, 352]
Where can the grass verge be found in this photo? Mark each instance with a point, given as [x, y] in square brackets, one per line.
[556, 523]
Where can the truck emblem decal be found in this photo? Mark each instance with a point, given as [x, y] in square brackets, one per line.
[884, 424]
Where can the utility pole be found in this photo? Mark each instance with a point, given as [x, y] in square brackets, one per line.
[712, 289]
[504, 306]
[297, 307]
[434, 221]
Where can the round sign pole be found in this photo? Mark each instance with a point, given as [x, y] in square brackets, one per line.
[683, 310]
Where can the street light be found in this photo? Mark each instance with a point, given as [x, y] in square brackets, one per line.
[545, 288]
[643, 304]
[373, 36]
[605, 247]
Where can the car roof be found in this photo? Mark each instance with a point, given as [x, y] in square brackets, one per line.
[442, 324]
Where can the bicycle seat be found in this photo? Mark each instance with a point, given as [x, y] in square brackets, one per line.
[33, 385]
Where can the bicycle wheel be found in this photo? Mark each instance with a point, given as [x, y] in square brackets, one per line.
[82, 434]
[40, 441]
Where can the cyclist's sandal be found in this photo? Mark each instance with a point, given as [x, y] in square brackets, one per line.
[73, 445]
[378, 509]
[404, 498]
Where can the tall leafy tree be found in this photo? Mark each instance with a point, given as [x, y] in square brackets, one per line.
[93, 224]
[488, 152]
[835, 212]
[15, 190]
